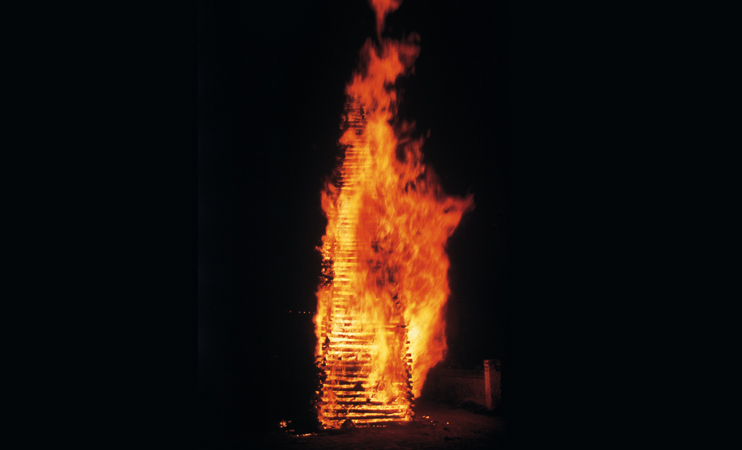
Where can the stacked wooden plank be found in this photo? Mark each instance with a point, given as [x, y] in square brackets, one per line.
[346, 357]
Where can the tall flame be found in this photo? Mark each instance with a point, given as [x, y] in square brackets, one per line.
[380, 306]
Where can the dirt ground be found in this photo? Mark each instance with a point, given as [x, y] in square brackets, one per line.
[437, 426]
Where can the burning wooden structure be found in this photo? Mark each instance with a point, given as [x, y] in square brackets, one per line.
[346, 353]
[379, 321]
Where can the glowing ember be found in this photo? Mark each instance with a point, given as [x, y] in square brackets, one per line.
[379, 321]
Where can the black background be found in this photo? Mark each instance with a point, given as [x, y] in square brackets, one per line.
[512, 102]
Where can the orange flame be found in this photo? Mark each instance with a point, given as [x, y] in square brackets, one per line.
[379, 319]
[382, 8]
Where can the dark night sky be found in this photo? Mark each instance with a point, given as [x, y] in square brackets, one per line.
[500, 112]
